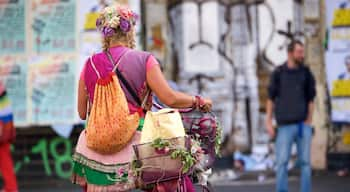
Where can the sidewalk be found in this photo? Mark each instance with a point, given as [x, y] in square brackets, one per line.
[322, 182]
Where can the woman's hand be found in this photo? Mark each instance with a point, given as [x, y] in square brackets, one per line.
[206, 106]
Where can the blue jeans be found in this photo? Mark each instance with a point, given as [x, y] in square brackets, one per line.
[286, 136]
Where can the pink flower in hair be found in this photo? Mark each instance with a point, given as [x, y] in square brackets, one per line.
[125, 13]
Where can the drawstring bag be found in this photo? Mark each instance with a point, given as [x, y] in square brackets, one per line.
[7, 128]
[110, 125]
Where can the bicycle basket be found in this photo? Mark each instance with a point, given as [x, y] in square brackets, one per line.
[155, 165]
[202, 127]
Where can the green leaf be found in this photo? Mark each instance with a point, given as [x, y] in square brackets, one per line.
[218, 139]
[186, 157]
[160, 143]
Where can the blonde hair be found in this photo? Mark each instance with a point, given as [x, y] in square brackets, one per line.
[126, 39]
[117, 24]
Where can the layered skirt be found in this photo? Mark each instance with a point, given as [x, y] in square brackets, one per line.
[104, 173]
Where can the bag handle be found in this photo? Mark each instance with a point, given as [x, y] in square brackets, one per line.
[165, 111]
[94, 67]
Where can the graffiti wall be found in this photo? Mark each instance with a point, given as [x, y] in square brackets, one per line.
[223, 47]
[43, 154]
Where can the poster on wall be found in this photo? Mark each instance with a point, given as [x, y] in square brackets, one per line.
[135, 5]
[53, 26]
[338, 58]
[13, 73]
[12, 26]
[52, 89]
[89, 37]
[156, 29]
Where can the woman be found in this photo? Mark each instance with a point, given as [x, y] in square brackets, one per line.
[6, 163]
[143, 73]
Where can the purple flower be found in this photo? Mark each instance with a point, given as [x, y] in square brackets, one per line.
[108, 31]
[135, 16]
[124, 25]
[98, 22]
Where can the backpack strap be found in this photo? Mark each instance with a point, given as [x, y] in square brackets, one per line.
[109, 55]
[94, 67]
[123, 79]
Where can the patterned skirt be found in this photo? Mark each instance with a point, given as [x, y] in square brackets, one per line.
[104, 173]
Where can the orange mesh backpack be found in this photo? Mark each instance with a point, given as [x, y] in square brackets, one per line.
[110, 126]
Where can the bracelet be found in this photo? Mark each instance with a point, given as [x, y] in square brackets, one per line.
[194, 102]
[199, 102]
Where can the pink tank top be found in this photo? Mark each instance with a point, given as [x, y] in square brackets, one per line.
[133, 65]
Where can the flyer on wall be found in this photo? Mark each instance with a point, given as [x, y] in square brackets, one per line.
[52, 89]
[12, 23]
[13, 73]
[89, 37]
[53, 25]
[337, 58]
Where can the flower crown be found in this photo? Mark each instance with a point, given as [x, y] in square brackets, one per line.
[115, 18]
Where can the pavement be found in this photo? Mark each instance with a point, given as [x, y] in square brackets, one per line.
[325, 182]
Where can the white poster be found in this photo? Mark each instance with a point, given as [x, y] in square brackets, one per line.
[338, 58]
[52, 90]
[89, 37]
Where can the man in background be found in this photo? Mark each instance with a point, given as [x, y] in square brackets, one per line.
[291, 94]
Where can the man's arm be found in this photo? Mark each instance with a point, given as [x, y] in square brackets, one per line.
[269, 111]
[272, 93]
[311, 94]
[308, 120]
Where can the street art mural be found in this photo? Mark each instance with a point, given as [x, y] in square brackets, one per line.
[230, 45]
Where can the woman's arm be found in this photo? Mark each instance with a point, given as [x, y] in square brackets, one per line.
[158, 84]
[82, 99]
